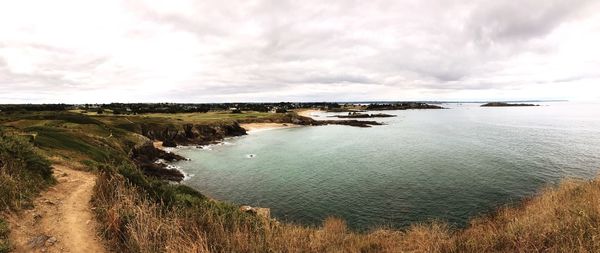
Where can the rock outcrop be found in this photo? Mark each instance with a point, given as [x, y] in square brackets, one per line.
[296, 119]
[258, 211]
[150, 161]
[355, 115]
[191, 134]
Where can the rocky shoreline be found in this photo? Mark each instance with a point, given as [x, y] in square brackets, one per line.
[154, 161]
[355, 115]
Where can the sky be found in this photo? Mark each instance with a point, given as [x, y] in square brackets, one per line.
[73, 51]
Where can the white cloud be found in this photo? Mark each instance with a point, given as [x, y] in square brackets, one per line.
[210, 51]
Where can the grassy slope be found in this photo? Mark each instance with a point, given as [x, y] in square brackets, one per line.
[23, 173]
[140, 214]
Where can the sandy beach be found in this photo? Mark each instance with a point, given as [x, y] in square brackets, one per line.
[254, 127]
[307, 112]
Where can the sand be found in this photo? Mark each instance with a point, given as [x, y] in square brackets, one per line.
[255, 127]
[307, 112]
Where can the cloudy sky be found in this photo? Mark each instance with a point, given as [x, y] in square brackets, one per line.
[214, 51]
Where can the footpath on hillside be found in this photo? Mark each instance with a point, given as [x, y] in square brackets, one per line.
[62, 219]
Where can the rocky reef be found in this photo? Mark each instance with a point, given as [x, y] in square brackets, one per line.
[354, 123]
[355, 115]
[301, 120]
[293, 118]
[152, 162]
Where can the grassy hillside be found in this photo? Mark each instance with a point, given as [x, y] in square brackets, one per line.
[23, 173]
[139, 213]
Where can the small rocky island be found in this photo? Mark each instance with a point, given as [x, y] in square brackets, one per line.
[356, 115]
[504, 104]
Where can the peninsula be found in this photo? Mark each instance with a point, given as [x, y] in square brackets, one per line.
[504, 104]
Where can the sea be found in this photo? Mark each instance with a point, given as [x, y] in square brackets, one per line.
[445, 165]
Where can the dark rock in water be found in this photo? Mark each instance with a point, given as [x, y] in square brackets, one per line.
[161, 171]
[148, 152]
[365, 115]
[354, 123]
[503, 104]
[145, 158]
[169, 143]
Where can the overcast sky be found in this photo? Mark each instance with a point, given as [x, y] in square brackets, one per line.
[76, 51]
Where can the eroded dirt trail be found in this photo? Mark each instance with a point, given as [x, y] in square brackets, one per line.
[62, 220]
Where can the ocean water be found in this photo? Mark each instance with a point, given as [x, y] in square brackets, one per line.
[447, 165]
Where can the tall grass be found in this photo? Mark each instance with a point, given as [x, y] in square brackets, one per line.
[561, 219]
[23, 173]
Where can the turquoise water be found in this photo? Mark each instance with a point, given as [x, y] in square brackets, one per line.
[447, 165]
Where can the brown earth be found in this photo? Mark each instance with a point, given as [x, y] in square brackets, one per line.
[62, 219]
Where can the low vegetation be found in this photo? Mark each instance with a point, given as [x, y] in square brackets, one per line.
[4, 231]
[141, 213]
[23, 173]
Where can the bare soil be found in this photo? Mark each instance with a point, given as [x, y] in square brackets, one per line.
[62, 218]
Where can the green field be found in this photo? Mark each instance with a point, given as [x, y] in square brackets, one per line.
[84, 137]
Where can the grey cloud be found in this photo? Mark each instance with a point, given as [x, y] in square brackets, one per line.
[498, 21]
[440, 46]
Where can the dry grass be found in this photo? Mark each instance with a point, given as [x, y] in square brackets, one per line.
[561, 219]
[23, 173]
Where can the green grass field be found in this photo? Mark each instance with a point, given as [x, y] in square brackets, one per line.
[89, 138]
[195, 118]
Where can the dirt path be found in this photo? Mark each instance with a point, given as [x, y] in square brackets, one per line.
[62, 220]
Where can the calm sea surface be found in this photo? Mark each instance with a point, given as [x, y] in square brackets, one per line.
[422, 165]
